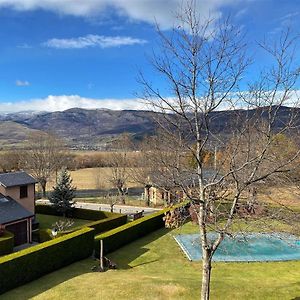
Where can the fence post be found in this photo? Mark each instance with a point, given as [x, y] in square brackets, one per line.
[101, 255]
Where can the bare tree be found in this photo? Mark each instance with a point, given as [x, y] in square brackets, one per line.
[119, 163]
[203, 63]
[43, 157]
[10, 160]
[112, 200]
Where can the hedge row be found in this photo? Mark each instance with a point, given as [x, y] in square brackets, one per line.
[77, 213]
[6, 243]
[31, 263]
[118, 237]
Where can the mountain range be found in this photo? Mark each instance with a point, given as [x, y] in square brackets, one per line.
[96, 128]
[81, 128]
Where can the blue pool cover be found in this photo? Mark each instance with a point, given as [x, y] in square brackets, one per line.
[245, 247]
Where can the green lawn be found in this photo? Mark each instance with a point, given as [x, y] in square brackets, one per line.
[155, 268]
[46, 221]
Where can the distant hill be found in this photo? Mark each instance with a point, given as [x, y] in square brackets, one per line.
[81, 127]
[94, 128]
[13, 134]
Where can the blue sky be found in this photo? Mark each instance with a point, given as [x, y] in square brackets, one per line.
[58, 54]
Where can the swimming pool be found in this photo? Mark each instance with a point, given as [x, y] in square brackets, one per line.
[245, 247]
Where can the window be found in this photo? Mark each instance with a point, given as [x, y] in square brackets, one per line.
[23, 191]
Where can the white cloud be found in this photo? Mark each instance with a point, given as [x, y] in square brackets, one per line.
[63, 102]
[22, 83]
[92, 40]
[137, 10]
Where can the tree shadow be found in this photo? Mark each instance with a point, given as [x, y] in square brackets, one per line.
[124, 256]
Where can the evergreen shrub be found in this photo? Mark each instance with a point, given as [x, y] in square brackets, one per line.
[6, 243]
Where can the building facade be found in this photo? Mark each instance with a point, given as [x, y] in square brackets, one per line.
[17, 205]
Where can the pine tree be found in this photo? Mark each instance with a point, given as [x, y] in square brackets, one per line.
[63, 193]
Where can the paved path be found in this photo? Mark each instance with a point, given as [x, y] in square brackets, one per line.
[124, 209]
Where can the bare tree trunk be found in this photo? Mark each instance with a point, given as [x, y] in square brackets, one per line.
[147, 196]
[206, 273]
[122, 196]
[43, 184]
[206, 254]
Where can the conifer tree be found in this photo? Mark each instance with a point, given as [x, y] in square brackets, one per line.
[63, 193]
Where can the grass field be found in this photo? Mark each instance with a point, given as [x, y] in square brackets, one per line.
[98, 178]
[155, 268]
[46, 221]
[282, 195]
[92, 178]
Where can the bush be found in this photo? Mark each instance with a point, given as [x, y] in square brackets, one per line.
[31, 263]
[45, 235]
[118, 237]
[42, 235]
[6, 243]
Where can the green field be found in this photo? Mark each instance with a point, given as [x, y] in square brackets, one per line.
[155, 268]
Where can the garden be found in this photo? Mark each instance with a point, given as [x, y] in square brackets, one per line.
[73, 244]
[49, 218]
[153, 267]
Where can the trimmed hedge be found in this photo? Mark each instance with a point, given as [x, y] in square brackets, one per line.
[77, 213]
[31, 263]
[6, 243]
[118, 237]
[46, 210]
[45, 235]
[42, 235]
[89, 214]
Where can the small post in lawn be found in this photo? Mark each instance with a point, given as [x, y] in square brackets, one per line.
[101, 256]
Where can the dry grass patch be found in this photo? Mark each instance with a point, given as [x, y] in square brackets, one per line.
[92, 178]
[284, 195]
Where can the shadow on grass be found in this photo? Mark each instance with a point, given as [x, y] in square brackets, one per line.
[49, 281]
[124, 256]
